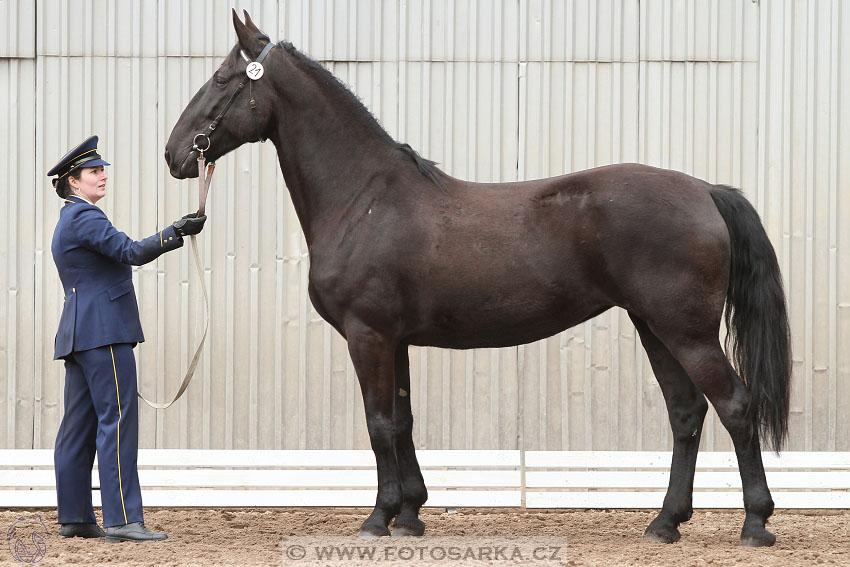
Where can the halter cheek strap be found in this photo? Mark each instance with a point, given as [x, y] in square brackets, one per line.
[251, 102]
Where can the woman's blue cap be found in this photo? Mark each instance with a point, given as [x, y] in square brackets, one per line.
[84, 155]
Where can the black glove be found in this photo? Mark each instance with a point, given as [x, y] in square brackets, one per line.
[189, 224]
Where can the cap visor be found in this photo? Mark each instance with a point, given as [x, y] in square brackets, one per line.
[95, 163]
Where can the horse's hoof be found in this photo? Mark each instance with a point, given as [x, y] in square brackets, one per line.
[662, 536]
[372, 531]
[415, 528]
[766, 539]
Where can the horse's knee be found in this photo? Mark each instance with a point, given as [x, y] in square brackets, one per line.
[381, 433]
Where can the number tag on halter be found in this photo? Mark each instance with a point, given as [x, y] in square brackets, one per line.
[254, 70]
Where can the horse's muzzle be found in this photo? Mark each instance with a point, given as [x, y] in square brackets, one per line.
[186, 168]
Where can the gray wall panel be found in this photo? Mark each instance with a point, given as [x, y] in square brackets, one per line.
[752, 94]
[17, 22]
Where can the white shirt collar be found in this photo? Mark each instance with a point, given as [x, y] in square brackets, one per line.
[81, 197]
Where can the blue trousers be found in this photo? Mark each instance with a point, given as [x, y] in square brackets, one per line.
[101, 414]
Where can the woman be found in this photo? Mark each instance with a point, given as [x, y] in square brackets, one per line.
[97, 332]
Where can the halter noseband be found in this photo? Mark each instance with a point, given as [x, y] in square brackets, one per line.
[253, 104]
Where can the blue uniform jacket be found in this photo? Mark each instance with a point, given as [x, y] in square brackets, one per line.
[94, 259]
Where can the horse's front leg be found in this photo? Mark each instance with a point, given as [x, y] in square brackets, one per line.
[373, 358]
[413, 485]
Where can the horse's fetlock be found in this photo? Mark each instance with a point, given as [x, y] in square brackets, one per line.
[760, 505]
[684, 515]
[415, 494]
[389, 505]
[675, 515]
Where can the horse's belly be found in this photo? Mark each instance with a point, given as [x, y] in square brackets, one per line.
[463, 329]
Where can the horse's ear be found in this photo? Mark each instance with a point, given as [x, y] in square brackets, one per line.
[247, 39]
[250, 23]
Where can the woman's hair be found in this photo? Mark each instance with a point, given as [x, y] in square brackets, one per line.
[62, 186]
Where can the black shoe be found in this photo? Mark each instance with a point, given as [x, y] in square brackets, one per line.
[81, 530]
[132, 532]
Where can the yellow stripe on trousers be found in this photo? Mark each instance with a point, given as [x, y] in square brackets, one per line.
[118, 451]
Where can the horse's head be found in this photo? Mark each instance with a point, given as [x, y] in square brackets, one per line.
[247, 116]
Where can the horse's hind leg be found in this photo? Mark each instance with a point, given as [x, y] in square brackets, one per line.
[707, 365]
[414, 493]
[373, 358]
[686, 407]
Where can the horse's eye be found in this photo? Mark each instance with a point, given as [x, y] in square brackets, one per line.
[219, 80]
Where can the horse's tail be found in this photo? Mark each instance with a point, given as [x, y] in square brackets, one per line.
[759, 337]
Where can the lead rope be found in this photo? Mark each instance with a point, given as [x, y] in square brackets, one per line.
[204, 178]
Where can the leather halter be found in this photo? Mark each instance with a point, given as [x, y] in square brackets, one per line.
[251, 101]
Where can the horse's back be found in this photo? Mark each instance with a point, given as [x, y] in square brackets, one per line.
[627, 205]
[519, 261]
[651, 182]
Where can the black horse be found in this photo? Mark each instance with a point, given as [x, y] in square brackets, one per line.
[404, 254]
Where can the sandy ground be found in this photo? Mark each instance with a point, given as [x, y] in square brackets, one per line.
[215, 536]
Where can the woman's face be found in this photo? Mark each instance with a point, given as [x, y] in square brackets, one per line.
[91, 183]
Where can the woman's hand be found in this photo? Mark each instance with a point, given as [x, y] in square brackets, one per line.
[189, 224]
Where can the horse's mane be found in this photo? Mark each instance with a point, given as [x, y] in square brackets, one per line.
[425, 166]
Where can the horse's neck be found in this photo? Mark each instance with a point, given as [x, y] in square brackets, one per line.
[328, 152]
